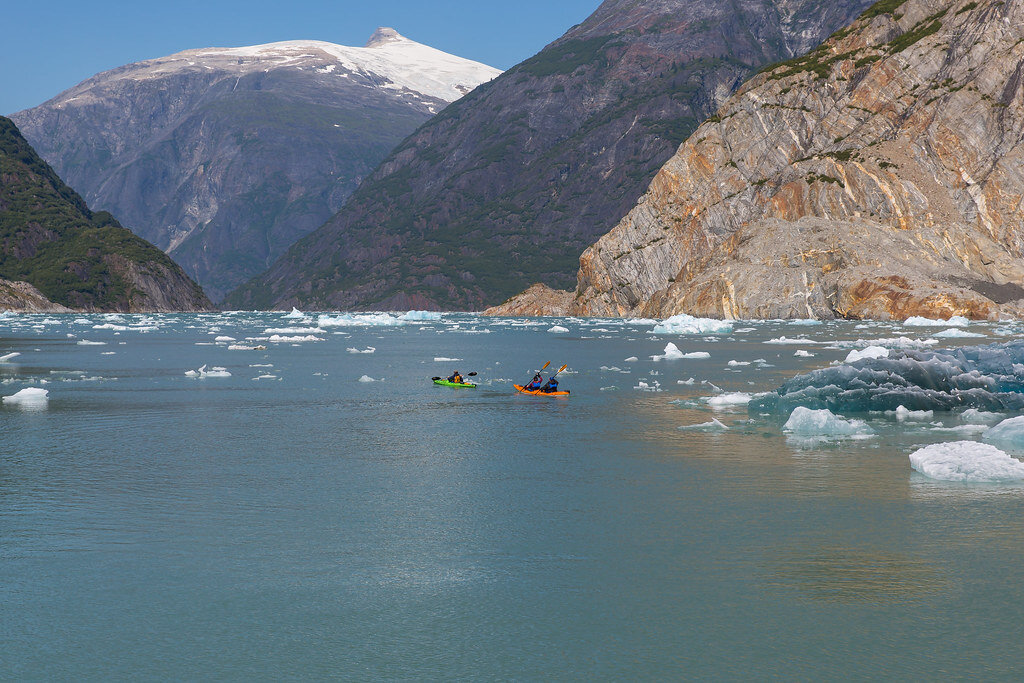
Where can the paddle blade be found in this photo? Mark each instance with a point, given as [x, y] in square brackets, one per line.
[545, 366]
[471, 374]
[435, 378]
[563, 367]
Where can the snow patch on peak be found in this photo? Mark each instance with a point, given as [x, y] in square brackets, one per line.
[383, 36]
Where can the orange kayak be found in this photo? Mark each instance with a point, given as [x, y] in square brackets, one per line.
[532, 392]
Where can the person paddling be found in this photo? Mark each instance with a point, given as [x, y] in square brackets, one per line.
[535, 383]
[455, 378]
[551, 386]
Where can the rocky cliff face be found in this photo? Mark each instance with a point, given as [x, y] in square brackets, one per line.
[508, 185]
[223, 157]
[880, 176]
[22, 297]
[538, 300]
[71, 256]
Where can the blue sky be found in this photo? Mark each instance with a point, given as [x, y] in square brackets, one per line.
[50, 46]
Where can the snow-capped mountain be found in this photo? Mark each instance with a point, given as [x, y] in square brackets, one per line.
[223, 156]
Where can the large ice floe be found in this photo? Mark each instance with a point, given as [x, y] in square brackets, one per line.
[32, 397]
[918, 321]
[687, 324]
[968, 461]
[420, 316]
[203, 373]
[824, 423]
[988, 377]
[1009, 432]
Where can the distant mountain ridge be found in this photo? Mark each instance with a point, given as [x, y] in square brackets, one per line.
[508, 185]
[75, 258]
[224, 157]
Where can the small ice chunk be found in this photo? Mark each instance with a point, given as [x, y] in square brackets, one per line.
[558, 329]
[31, 397]
[1009, 431]
[672, 352]
[224, 339]
[787, 341]
[712, 426]
[296, 313]
[904, 414]
[687, 382]
[954, 332]
[919, 321]
[806, 422]
[800, 353]
[737, 363]
[968, 461]
[279, 338]
[203, 373]
[869, 352]
[9, 356]
[731, 399]
[86, 342]
[368, 349]
[644, 386]
[975, 416]
[632, 359]
[442, 359]
[366, 378]
[687, 324]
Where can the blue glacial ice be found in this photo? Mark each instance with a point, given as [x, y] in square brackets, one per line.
[687, 324]
[1010, 432]
[989, 378]
[807, 422]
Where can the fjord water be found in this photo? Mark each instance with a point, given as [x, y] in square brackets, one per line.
[308, 524]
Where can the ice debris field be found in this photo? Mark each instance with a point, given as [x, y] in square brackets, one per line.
[944, 396]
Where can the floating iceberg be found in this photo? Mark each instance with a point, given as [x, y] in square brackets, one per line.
[296, 313]
[224, 339]
[31, 397]
[558, 329]
[807, 422]
[631, 359]
[280, 338]
[8, 356]
[672, 352]
[442, 359]
[420, 316]
[713, 426]
[904, 414]
[869, 352]
[800, 353]
[1010, 431]
[203, 373]
[644, 386]
[787, 341]
[294, 330]
[86, 342]
[954, 333]
[368, 349]
[687, 324]
[975, 416]
[366, 378]
[730, 399]
[918, 321]
[359, 320]
[968, 461]
[985, 377]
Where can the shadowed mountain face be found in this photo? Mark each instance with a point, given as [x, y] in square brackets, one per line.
[508, 185]
[879, 176]
[223, 157]
[71, 256]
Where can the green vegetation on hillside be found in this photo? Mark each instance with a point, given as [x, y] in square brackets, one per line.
[50, 239]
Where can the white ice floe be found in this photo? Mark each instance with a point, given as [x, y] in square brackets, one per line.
[368, 349]
[1010, 431]
[737, 363]
[687, 382]
[442, 359]
[968, 461]
[359, 320]
[246, 347]
[687, 324]
[975, 416]
[8, 356]
[654, 385]
[672, 352]
[558, 329]
[420, 316]
[786, 341]
[804, 321]
[631, 359]
[713, 426]
[203, 373]
[258, 377]
[281, 338]
[294, 330]
[867, 353]
[800, 353]
[224, 339]
[366, 378]
[31, 397]
[904, 414]
[919, 321]
[955, 332]
[110, 326]
[806, 422]
[86, 342]
[735, 398]
[296, 313]
[888, 342]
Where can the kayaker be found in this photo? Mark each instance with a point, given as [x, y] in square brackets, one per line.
[535, 383]
[455, 378]
[551, 386]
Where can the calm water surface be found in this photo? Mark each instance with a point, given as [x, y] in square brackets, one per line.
[155, 525]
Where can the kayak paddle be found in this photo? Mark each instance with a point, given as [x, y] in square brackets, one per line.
[544, 367]
[468, 374]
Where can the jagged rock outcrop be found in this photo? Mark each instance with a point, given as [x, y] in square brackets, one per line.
[880, 176]
[223, 157]
[21, 297]
[71, 256]
[508, 185]
[538, 300]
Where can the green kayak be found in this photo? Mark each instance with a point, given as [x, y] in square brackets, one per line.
[446, 383]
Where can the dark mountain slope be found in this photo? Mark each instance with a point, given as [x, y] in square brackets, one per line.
[508, 185]
[74, 257]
